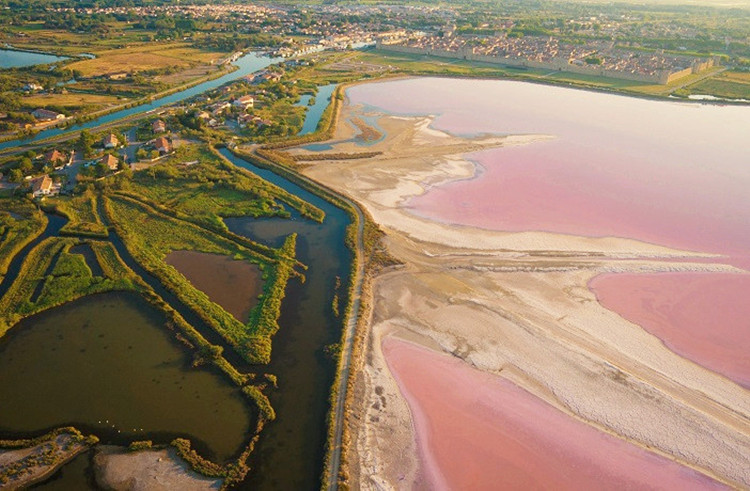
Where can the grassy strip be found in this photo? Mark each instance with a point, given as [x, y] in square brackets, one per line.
[31, 442]
[16, 303]
[15, 234]
[255, 393]
[263, 323]
[70, 279]
[267, 252]
[305, 208]
[333, 156]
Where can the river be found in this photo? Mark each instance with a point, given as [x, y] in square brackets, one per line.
[11, 58]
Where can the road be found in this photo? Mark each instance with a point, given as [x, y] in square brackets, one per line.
[75, 133]
[345, 358]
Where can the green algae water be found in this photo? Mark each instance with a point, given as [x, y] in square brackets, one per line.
[108, 365]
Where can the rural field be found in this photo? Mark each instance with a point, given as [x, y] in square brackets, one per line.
[173, 57]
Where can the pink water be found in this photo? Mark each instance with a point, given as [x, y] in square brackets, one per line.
[697, 315]
[670, 173]
[477, 431]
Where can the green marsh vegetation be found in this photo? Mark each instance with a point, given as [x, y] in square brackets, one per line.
[150, 235]
[178, 204]
[82, 214]
[212, 189]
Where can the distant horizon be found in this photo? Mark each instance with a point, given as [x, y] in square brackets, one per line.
[677, 3]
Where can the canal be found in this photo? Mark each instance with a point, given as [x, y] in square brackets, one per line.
[291, 450]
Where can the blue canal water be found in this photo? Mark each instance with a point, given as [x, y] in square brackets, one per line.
[314, 112]
[10, 58]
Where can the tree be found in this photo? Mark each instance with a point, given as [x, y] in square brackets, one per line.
[26, 165]
[86, 143]
[15, 175]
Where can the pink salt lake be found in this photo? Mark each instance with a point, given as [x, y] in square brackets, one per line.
[477, 431]
[670, 173]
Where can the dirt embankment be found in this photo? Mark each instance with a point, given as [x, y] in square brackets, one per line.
[22, 467]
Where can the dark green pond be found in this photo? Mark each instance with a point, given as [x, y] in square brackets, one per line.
[108, 365]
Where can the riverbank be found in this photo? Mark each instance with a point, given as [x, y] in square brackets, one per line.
[517, 304]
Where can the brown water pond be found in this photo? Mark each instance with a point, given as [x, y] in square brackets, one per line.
[233, 284]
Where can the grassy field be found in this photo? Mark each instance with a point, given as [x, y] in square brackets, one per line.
[70, 100]
[33, 35]
[151, 56]
[113, 62]
[213, 189]
[729, 84]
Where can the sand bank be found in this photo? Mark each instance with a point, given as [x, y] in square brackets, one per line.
[22, 467]
[116, 468]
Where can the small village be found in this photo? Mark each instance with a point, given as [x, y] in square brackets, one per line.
[67, 168]
[597, 56]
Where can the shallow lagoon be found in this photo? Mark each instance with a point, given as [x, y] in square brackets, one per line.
[663, 172]
[233, 284]
[108, 365]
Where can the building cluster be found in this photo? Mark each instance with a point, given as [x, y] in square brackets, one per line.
[597, 56]
[303, 29]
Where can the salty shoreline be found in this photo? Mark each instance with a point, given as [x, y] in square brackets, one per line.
[517, 304]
